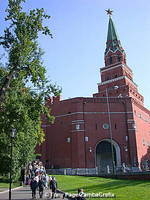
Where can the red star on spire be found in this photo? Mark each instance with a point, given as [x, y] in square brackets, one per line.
[109, 12]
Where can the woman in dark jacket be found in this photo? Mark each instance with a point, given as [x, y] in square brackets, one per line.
[41, 185]
[33, 185]
[53, 186]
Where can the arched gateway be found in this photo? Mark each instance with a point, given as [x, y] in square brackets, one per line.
[104, 157]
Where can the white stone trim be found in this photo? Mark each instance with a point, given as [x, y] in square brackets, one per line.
[111, 80]
[78, 122]
[75, 113]
[130, 120]
[107, 69]
[104, 69]
[77, 130]
[109, 50]
[116, 79]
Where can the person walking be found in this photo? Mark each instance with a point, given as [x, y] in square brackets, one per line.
[22, 176]
[34, 185]
[47, 181]
[41, 186]
[53, 186]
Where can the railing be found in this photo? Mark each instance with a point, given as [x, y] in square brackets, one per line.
[96, 171]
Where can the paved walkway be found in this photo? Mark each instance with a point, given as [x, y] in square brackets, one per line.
[24, 193]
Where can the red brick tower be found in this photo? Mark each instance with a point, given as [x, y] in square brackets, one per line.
[117, 81]
[116, 72]
[104, 132]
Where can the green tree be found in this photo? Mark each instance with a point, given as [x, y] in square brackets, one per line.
[23, 85]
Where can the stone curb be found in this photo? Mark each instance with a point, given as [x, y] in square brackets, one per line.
[11, 189]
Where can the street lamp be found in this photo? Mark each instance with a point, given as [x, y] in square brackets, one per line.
[12, 136]
[110, 128]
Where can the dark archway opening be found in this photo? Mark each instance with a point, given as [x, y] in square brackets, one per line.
[104, 158]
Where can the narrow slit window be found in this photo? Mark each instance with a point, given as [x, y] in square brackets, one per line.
[110, 60]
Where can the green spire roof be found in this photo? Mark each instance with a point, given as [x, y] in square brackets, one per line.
[112, 34]
[113, 42]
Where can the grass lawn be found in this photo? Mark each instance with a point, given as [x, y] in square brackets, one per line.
[6, 185]
[123, 189]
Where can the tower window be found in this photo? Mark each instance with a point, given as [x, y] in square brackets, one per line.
[96, 126]
[110, 60]
[119, 58]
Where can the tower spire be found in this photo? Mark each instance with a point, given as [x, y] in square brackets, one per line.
[113, 44]
[116, 72]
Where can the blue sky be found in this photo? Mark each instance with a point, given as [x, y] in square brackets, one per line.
[79, 27]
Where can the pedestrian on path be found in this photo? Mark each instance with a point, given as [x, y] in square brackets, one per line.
[47, 180]
[34, 185]
[53, 186]
[41, 185]
[22, 176]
